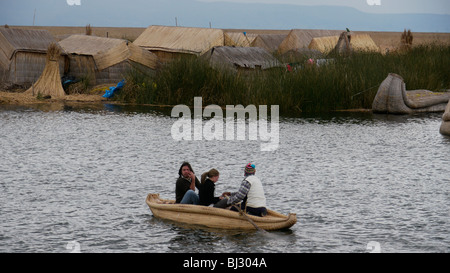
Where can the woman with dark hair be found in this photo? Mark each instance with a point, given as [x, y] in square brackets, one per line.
[185, 185]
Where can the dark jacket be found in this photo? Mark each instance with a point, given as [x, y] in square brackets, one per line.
[182, 186]
[206, 193]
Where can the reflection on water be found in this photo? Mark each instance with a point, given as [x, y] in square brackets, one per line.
[82, 172]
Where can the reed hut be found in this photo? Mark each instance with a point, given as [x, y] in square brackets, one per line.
[324, 44]
[239, 39]
[23, 55]
[49, 83]
[345, 43]
[349, 42]
[169, 43]
[104, 60]
[241, 58]
[269, 42]
[301, 38]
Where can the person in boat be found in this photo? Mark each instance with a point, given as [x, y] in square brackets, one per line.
[250, 194]
[206, 192]
[185, 185]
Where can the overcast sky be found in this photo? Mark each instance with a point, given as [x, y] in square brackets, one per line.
[386, 6]
[380, 15]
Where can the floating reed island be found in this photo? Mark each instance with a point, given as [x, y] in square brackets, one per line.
[299, 70]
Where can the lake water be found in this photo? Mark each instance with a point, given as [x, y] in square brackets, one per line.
[79, 175]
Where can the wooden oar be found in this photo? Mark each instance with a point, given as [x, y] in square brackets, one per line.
[248, 218]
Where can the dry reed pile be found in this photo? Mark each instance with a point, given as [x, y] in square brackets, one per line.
[49, 83]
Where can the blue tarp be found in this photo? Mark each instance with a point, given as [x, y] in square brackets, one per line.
[109, 93]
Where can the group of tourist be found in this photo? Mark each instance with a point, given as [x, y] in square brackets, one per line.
[249, 198]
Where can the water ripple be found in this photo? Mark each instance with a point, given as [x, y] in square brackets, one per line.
[82, 175]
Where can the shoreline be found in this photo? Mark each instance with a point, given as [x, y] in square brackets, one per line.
[18, 98]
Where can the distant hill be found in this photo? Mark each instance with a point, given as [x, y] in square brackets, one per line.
[142, 13]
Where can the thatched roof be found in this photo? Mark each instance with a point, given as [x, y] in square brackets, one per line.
[324, 44]
[241, 57]
[15, 40]
[301, 38]
[180, 39]
[107, 51]
[240, 39]
[269, 42]
[358, 42]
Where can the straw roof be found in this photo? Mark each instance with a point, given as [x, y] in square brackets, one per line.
[107, 51]
[301, 38]
[15, 40]
[269, 42]
[358, 42]
[241, 57]
[180, 39]
[363, 42]
[239, 39]
[324, 44]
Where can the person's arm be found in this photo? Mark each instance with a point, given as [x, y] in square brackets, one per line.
[240, 195]
[194, 181]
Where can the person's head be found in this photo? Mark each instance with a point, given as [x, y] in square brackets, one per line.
[249, 169]
[185, 169]
[212, 174]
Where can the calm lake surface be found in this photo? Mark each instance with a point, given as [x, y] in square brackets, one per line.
[79, 175]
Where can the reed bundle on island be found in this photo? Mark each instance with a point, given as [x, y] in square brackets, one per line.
[49, 83]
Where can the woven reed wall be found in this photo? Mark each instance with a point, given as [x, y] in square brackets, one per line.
[82, 66]
[113, 74]
[269, 42]
[27, 67]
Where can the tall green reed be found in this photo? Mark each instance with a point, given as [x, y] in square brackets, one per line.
[345, 83]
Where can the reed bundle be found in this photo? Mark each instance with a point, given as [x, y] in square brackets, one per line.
[49, 83]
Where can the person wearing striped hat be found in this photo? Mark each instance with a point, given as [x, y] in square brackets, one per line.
[250, 194]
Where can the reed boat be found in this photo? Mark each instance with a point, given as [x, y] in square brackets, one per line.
[217, 217]
[393, 98]
[445, 126]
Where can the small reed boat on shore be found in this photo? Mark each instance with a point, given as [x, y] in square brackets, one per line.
[445, 126]
[393, 98]
[216, 217]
